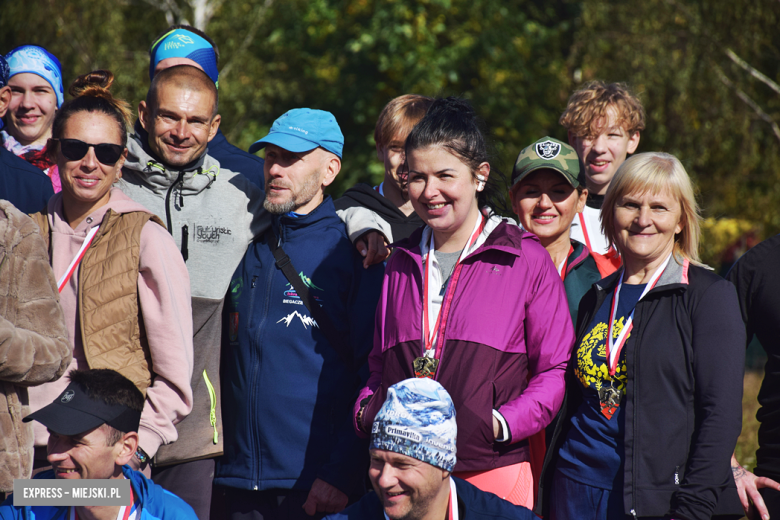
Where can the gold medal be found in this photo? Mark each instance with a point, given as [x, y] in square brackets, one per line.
[425, 367]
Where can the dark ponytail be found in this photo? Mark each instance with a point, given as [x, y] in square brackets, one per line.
[452, 123]
[91, 94]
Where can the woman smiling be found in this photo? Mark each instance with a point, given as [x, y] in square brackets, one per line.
[124, 288]
[474, 303]
[546, 196]
[652, 409]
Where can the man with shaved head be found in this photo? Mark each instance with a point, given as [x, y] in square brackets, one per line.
[185, 45]
[213, 213]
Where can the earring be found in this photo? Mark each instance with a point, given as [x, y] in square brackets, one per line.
[481, 183]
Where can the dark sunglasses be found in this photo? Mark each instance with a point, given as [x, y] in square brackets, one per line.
[106, 153]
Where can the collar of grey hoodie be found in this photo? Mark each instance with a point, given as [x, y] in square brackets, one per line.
[148, 171]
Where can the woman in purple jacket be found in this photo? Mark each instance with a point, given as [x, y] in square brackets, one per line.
[474, 303]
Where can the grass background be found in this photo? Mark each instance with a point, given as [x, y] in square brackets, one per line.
[748, 440]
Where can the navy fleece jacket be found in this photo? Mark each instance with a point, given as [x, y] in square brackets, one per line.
[286, 394]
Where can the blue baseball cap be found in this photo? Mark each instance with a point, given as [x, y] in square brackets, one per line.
[304, 129]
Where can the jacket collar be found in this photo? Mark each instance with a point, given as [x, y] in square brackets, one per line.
[158, 176]
[284, 225]
[500, 234]
[579, 254]
[675, 275]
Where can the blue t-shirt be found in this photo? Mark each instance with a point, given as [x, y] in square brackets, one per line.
[593, 451]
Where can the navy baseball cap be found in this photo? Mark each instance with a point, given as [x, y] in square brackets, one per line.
[304, 129]
[75, 412]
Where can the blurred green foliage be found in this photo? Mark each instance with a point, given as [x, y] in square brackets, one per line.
[516, 60]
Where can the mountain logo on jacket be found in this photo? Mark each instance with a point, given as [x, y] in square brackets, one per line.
[291, 295]
[307, 321]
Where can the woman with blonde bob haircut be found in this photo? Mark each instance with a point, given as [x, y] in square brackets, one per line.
[654, 172]
[652, 409]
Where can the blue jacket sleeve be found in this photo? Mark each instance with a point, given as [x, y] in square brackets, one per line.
[348, 462]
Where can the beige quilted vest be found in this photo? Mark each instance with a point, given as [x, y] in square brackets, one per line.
[111, 324]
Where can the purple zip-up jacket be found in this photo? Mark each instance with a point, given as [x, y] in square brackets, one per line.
[508, 339]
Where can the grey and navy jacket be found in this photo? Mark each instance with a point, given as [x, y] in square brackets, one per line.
[213, 214]
[683, 405]
[287, 395]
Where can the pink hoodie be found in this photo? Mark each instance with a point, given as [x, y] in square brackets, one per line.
[164, 297]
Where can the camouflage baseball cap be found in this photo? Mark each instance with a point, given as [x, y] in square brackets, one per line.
[551, 154]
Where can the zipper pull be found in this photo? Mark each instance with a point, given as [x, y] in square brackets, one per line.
[254, 282]
[633, 513]
[677, 475]
[185, 236]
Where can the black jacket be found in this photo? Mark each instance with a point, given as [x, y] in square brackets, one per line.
[757, 278]
[683, 403]
[365, 196]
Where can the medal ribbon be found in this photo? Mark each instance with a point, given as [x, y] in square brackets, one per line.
[613, 353]
[566, 264]
[72, 267]
[585, 231]
[441, 320]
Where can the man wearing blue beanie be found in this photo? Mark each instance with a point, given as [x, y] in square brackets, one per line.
[412, 455]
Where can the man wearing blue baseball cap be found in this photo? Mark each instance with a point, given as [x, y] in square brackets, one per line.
[301, 313]
[21, 183]
[413, 450]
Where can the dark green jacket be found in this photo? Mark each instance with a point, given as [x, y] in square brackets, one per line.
[581, 274]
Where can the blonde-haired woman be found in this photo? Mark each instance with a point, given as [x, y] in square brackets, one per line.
[653, 403]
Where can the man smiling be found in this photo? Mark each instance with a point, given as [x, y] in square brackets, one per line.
[93, 428]
[604, 122]
[212, 213]
[412, 455]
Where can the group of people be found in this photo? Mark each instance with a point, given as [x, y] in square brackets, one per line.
[224, 330]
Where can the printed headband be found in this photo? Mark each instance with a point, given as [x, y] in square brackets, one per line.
[181, 43]
[37, 60]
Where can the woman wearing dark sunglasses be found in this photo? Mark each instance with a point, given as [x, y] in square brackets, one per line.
[123, 284]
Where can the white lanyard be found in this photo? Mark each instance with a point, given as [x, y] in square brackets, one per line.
[72, 267]
[612, 352]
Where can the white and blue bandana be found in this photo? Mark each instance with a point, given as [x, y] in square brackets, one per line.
[37, 60]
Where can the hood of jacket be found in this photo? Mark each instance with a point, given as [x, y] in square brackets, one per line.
[158, 176]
